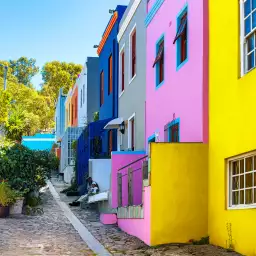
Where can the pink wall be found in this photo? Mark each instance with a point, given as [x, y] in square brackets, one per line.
[120, 159]
[140, 227]
[185, 91]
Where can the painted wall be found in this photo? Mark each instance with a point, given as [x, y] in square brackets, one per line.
[82, 97]
[100, 171]
[119, 160]
[60, 115]
[39, 141]
[231, 104]
[132, 99]
[140, 227]
[179, 192]
[74, 106]
[184, 91]
[68, 109]
[93, 92]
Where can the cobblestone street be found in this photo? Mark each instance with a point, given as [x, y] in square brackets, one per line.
[53, 234]
[48, 234]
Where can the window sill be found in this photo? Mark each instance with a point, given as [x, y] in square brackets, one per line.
[242, 207]
[121, 94]
[132, 79]
[158, 86]
[182, 64]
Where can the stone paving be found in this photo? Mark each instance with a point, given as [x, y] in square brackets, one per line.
[119, 243]
[47, 234]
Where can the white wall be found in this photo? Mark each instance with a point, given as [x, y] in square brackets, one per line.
[82, 95]
[68, 174]
[100, 171]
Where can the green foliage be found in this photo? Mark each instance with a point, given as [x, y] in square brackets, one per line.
[202, 241]
[7, 195]
[26, 170]
[5, 100]
[24, 69]
[33, 201]
[96, 116]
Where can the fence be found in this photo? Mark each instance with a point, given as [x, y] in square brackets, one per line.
[130, 182]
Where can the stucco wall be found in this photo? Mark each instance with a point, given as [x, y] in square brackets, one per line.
[232, 102]
[60, 115]
[132, 100]
[82, 97]
[93, 99]
[74, 103]
[179, 192]
[140, 227]
[182, 92]
[119, 160]
[100, 171]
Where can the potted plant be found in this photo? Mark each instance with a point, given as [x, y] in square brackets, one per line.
[7, 197]
[16, 208]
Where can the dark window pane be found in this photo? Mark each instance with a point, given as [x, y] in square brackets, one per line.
[251, 61]
[251, 43]
[235, 182]
[242, 181]
[235, 198]
[248, 164]
[247, 25]
[248, 180]
[241, 197]
[235, 168]
[242, 166]
[247, 7]
[248, 196]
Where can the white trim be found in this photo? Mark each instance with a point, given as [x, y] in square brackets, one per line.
[242, 68]
[38, 139]
[122, 50]
[119, 140]
[128, 19]
[130, 53]
[129, 130]
[132, 79]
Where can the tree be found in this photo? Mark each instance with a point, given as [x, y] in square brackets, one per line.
[5, 99]
[24, 69]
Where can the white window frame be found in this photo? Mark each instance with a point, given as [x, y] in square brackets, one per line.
[122, 50]
[230, 206]
[243, 42]
[130, 54]
[120, 141]
[130, 132]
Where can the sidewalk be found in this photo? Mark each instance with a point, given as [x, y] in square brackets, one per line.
[119, 243]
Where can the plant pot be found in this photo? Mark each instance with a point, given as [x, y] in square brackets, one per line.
[4, 211]
[16, 208]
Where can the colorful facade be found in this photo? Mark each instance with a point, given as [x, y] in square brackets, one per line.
[60, 115]
[132, 76]
[177, 71]
[108, 77]
[74, 106]
[232, 157]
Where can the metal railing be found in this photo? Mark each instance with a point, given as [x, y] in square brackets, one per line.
[130, 182]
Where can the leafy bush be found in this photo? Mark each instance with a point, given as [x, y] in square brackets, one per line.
[26, 170]
[7, 195]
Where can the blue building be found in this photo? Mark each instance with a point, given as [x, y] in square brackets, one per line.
[39, 141]
[60, 115]
[108, 52]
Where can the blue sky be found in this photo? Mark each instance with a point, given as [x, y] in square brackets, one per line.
[47, 30]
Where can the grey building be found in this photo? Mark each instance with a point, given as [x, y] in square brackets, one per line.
[132, 76]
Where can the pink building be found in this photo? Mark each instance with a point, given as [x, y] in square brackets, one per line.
[177, 71]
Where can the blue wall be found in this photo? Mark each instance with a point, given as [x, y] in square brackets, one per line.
[39, 141]
[109, 108]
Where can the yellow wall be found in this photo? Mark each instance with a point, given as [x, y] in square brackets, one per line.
[232, 131]
[178, 192]
[67, 114]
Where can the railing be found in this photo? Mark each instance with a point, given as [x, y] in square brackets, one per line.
[130, 182]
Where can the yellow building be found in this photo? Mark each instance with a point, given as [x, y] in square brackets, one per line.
[68, 109]
[232, 140]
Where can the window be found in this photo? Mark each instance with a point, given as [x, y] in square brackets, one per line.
[110, 74]
[172, 131]
[81, 99]
[242, 181]
[110, 141]
[83, 93]
[248, 34]
[101, 88]
[131, 132]
[133, 52]
[122, 71]
[181, 38]
[159, 62]
[76, 107]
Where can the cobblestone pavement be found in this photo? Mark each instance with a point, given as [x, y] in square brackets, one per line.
[118, 242]
[48, 234]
